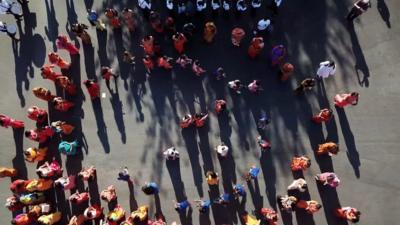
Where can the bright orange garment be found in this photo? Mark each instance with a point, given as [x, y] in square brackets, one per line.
[7, 172]
[328, 147]
[210, 30]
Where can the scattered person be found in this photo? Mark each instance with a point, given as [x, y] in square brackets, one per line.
[109, 194]
[306, 84]
[181, 206]
[323, 116]
[6, 122]
[171, 154]
[255, 87]
[197, 69]
[129, 18]
[269, 215]
[256, 45]
[237, 35]
[222, 150]
[210, 30]
[112, 16]
[235, 85]
[286, 70]
[298, 184]
[278, 53]
[342, 100]
[123, 175]
[212, 178]
[80, 30]
[326, 69]
[54, 58]
[150, 188]
[106, 74]
[348, 213]
[93, 89]
[179, 42]
[220, 106]
[148, 64]
[310, 206]
[88, 173]
[253, 173]
[328, 178]
[63, 42]
[203, 206]
[219, 73]
[300, 163]
[183, 60]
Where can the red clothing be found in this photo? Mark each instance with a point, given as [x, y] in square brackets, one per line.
[323, 116]
[164, 63]
[342, 100]
[63, 43]
[179, 42]
[94, 90]
[256, 45]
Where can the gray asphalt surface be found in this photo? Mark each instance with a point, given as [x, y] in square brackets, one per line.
[133, 127]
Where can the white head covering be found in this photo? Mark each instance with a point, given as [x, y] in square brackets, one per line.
[263, 24]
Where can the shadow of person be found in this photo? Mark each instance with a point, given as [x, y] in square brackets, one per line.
[384, 12]
[256, 196]
[116, 104]
[268, 169]
[330, 202]
[19, 161]
[51, 29]
[361, 63]
[101, 125]
[352, 153]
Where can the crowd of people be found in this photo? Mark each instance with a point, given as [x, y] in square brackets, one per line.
[30, 194]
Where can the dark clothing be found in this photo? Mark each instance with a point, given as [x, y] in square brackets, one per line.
[355, 12]
[308, 83]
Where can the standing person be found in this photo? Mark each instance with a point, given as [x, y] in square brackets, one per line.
[150, 188]
[240, 6]
[155, 22]
[181, 206]
[256, 45]
[129, 18]
[263, 26]
[66, 84]
[359, 7]
[239, 191]
[328, 178]
[210, 30]
[237, 35]
[300, 163]
[112, 15]
[219, 73]
[145, 5]
[255, 86]
[203, 206]
[94, 20]
[10, 30]
[306, 84]
[348, 213]
[164, 62]
[54, 58]
[329, 148]
[226, 5]
[235, 85]
[285, 71]
[106, 74]
[63, 42]
[148, 64]
[6, 122]
[278, 53]
[310, 206]
[212, 178]
[201, 5]
[93, 88]
[286, 203]
[255, 4]
[222, 150]
[197, 69]
[215, 5]
[326, 69]
[253, 173]
[220, 106]
[183, 61]
[148, 45]
[323, 116]
[127, 57]
[342, 100]
[80, 30]
[179, 42]
[298, 184]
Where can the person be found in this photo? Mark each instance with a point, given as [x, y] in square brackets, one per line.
[88, 173]
[256, 45]
[359, 7]
[11, 7]
[123, 175]
[324, 115]
[77, 220]
[37, 114]
[348, 213]
[298, 184]
[66, 183]
[106, 74]
[201, 5]
[342, 100]
[255, 4]
[286, 70]
[179, 42]
[148, 64]
[43, 93]
[200, 119]
[6, 121]
[68, 148]
[181, 7]
[222, 150]
[181, 206]
[215, 5]
[155, 22]
[8, 172]
[50, 219]
[164, 62]
[94, 20]
[328, 178]
[48, 73]
[186, 121]
[140, 215]
[188, 30]
[196, 68]
[326, 69]
[310, 206]
[278, 53]
[220, 106]
[269, 215]
[223, 199]
[49, 170]
[79, 198]
[40, 135]
[129, 18]
[210, 30]
[150, 188]
[63, 42]
[203, 206]
[263, 121]
[35, 154]
[300, 163]
[263, 26]
[226, 5]
[306, 84]
[241, 6]
[212, 178]
[170, 5]
[93, 88]
[38, 185]
[238, 191]
[112, 15]
[56, 59]
[10, 30]
[250, 219]
[237, 35]
[22, 219]
[235, 85]
[13, 204]
[330, 148]
[62, 104]
[64, 83]
[183, 60]
[109, 194]
[80, 30]
[169, 27]
[32, 198]
[93, 212]
[38, 210]
[253, 173]
[219, 73]
[128, 58]
[263, 143]
[62, 127]
[171, 154]
[148, 45]
[255, 86]
[145, 5]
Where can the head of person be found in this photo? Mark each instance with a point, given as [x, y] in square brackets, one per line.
[354, 94]
[88, 83]
[331, 63]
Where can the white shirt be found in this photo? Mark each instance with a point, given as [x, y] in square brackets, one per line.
[144, 4]
[171, 154]
[222, 150]
[239, 7]
[256, 3]
[170, 4]
[278, 2]
[263, 24]
[5, 5]
[325, 70]
[226, 5]
[215, 4]
[201, 7]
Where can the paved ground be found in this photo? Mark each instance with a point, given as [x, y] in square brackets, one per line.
[133, 126]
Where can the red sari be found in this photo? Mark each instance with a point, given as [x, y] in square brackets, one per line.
[256, 45]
